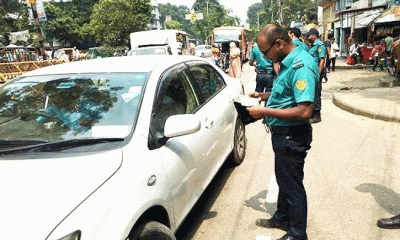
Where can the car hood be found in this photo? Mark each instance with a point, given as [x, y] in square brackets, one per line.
[37, 194]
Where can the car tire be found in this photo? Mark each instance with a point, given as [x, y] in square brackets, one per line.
[239, 143]
[152, 230]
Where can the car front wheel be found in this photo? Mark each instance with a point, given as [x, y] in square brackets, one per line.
[239, 144]
[152, 230]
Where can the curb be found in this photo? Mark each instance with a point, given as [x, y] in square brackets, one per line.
[361, 112]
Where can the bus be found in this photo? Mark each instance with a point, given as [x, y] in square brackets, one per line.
[240, 35]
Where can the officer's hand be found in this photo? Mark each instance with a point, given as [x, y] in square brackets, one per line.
[256, 95]
[257, 111]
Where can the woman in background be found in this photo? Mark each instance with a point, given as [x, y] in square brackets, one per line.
[235, 66]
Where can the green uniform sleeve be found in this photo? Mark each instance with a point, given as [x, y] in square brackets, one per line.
[303, 84]
[321, 51]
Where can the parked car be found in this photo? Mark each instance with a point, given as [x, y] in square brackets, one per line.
[203, 51]
[113, 148]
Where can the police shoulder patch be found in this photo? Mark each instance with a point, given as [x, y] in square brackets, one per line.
[301, 84]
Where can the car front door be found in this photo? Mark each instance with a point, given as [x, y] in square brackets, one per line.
[185, 156]
[217, 110]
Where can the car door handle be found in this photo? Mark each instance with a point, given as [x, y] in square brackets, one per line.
[208, 123]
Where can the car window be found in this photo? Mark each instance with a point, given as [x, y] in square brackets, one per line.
[207, 80]
[178, 97]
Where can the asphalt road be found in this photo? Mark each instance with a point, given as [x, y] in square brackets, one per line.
[351, 177]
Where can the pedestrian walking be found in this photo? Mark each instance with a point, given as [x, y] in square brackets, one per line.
[318, 51]
[288, 109]
[378, 52]
[389, 40]
[235, 66]
[216, 54]
[334, 53]
[328, 46]
[266, 70]
[295, 34]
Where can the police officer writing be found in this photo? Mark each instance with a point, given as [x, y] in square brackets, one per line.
[266, 70]
[288, 109]
[318, 52]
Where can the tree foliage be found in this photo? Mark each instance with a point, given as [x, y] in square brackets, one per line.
[113, 20]
[173, 25]
[178, 14]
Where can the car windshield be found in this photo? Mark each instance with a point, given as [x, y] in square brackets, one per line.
[225, 35]
[75, 106]
[148, 51]
[199, 47]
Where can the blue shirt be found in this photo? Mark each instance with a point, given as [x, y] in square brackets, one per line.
[317, 50]
[295, 84]
[263, 64]
[300, 44]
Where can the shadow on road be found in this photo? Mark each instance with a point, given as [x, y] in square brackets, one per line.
[385, 197]
[258, 203]
[201, 210]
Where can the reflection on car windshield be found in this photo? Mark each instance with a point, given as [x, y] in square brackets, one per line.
[74, 106]
[148, 51]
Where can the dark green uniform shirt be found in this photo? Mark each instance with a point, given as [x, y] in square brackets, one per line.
[295, 84]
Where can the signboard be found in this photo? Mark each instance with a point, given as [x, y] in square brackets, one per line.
[40, 11]
[41, 14]
[194, 16]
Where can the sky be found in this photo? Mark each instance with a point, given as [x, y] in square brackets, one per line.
[238, 8]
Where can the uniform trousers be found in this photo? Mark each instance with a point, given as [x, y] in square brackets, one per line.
[264, 81]
[318, 92]
[290, 145]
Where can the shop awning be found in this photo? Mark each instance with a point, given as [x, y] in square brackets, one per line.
[363, 20]
[390, 15]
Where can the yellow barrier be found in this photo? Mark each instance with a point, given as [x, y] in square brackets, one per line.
[13, 69]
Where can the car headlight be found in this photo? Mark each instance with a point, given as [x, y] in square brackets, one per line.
[72, 236]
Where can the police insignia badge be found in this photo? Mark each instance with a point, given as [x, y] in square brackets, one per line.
[301, 84]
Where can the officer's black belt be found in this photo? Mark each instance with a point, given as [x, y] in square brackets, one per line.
[266, 72]
[283, 130]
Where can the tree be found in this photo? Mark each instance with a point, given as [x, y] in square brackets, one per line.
[285, 11]
[214, 15]
[62, 26]
[13, 18]
[178, 14]
[113, 20]
[173, 25]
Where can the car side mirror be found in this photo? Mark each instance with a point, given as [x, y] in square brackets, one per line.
[181, 124]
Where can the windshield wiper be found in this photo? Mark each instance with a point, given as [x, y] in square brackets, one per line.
[17, 143]
[61, 145]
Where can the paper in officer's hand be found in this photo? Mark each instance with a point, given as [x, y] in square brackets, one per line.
[243, 102]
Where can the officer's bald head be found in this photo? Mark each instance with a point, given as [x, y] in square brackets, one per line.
[272, 32]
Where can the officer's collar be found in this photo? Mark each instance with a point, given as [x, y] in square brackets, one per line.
[287, 61]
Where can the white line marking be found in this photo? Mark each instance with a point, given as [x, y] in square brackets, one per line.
[273, 190]
[262, 237]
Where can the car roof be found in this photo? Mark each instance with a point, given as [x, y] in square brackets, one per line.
[114, 64]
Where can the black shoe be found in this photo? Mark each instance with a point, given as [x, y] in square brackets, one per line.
[389, 223]
[287, 237]
[272, 223]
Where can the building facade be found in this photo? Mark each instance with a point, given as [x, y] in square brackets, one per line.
[366, 21]
[155, 23]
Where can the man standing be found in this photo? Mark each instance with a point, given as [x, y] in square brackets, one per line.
[294, 34]
[288, 109]
[318, 51]
[266, 70]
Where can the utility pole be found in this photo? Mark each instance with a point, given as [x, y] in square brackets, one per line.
[272, 19]
[280, 12]
[258, 20]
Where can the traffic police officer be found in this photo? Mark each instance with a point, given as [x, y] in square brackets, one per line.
[266, 70]
[294, 34]
[288, 109]
[318, 51]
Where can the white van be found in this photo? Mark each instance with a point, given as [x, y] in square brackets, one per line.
[175, 39]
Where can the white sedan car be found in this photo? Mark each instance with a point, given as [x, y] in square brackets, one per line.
[203, 51]
[115, 148]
